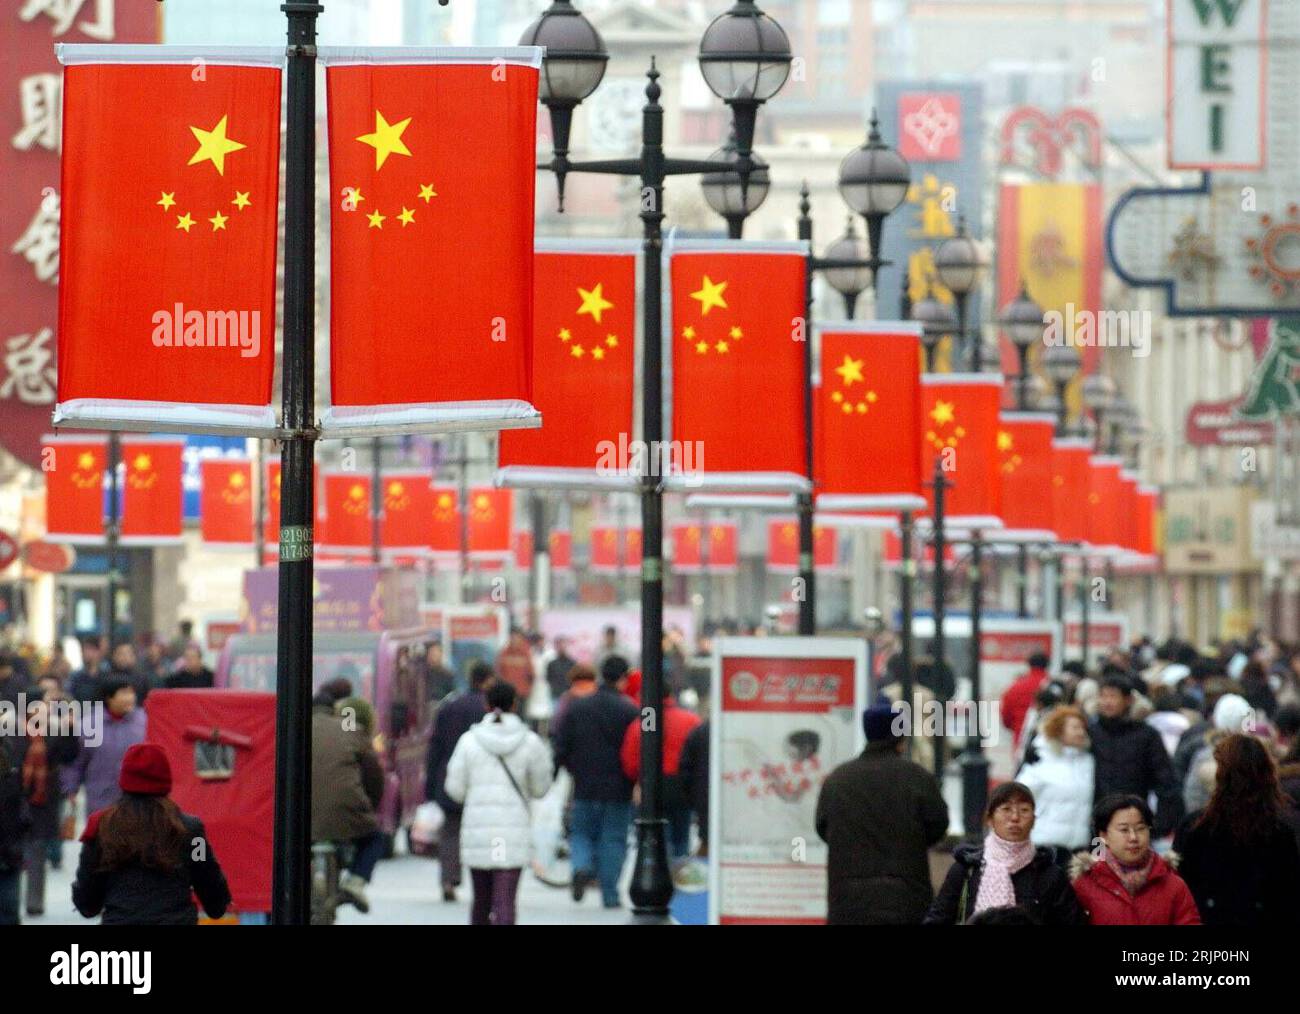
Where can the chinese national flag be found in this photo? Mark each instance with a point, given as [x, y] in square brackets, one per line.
[738, 362]
[444, 533]
[1148, 501]
[1070, 483]
[1105, 502]
[271, 523]
[584, 349]
[408, 504]
[892, 551]
[345, 516]
[74, 488]
[431, 231]
[226, 501]
[868, 414]
[522, 545]
[690, 549]
[168, 244]
[1025, 458]
[561, 543]
[606, 552]
[490, 519]
[1128, 522]
[783, 546]
[960, 429]
[152, 500]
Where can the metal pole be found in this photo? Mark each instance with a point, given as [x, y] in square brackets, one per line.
[291, 872]
[462, 498]
[541, 561]
[1083, 607]
[259, 522]
[974, 765]
[940, 594]
[652, 887]
[706, 535]
[906, 571]
[807, 534]
[973, 352]
[376, 498]
[1022, 579]
[112, 532]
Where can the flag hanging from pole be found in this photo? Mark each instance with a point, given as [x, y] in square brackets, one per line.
[783, 546]
[613, 548]
[1104, 504]
[226, 502]
[1025, 462]
[431, 166]
[170, 192]
[405, 524]
[1070, 487]
[960, 431]
[345, 519]
[691, 544]
[152, 497]
[74, 469]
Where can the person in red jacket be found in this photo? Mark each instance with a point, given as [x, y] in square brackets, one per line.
[1019, 697]
[1122, 882]
[677, 724]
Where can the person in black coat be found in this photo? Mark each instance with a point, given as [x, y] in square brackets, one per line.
[454, 717]
[1130, 757]
[693, 768]
[1238, 855]
[142, 858]
[192, 675]
[1027, 877]
[50, 743]
[14, 823]
[879, 814]
[557, 669]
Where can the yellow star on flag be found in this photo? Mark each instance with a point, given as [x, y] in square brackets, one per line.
[737, 333]
[376, 220]
[184, 222]
[850, 371]
[688, 332]
[167, 200]
[701, 347]
[597, 353]
[1004, 440]
[214, 146]
[593, 302]
[406, 217]
[942, 412]
[721, 346]
[386, 139]
[241, 200]
[218, 221]
[565, 334]
[612, 341]
[427, 192]
[710, 295]
[576, 351]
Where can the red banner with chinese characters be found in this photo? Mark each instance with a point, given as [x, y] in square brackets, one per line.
[737, 346]
[426, 155]
[31, 124]
[226, 501]
[694, 553]
[176, 231]
[152, 498]
[74, 470]
[960, 431]
[1025, 461]
[584, 349]
[868, 414]
[783, 546]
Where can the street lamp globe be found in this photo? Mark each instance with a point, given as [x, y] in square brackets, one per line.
[1061, 363]
[1037, 393]
[960, 261]
[745, 55]
[874, 177]
[575, 54]
[849, 247]
[1099, 393]
[1022, 320]
[723, 192]
[936, 319]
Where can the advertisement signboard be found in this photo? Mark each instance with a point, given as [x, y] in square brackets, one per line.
[786, 712]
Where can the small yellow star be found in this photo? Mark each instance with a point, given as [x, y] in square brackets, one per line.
[376, 220]
[218, 221]
[565, 334]
[576, 351]
[701, 347]
[737, 333]
[688, 332]
[846, 408]
[406, 217]
[871, 397]
[836, 397]
[862, 408]
[1004, 440]
[427, 192]
[710, 295]
[184, 222]
[354, 196]
[241, 200]
[721, 346]
[611, 340]
[597, 353]
[167, 200]
[961, 431]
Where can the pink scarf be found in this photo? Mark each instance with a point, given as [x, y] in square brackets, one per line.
[1001, 859]
[1135, 877]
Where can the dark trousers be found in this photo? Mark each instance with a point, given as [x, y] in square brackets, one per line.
[449, 850]
[35, 856]
[9, 889]
[598, 840]
[494, 897]
[370, 849]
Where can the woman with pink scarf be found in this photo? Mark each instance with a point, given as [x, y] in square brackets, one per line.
[1007, 877]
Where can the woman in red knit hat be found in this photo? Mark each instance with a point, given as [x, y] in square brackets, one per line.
[142, 857]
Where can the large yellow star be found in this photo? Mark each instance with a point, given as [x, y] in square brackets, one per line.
[942, 412]
[386, 140]
[850, 371]
[214, 146]
[710, 295]
[593, 301]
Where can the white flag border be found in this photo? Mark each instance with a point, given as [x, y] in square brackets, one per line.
[72, 54]
[351, 56]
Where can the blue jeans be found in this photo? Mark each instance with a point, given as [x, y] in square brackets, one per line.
[598, 840]
[679, 833]
[370, 849]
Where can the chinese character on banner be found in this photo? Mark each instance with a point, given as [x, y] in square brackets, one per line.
[29, 369]
[64, 12]
[40, 102]
[40, 242]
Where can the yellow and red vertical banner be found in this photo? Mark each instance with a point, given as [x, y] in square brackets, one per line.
[736, 340]
[445, 527]
[405, 522]
[559, 544]
[867, 418]
[960, 432]
[705, 548]
[783, 546]
[1025, 462]
[1105, 505]
[584, 360]
[169, 218]
[152, 498]
[74, 469]
[491, 519]
[613, 548]
[431, 165]
[344, 517]
[1071, 483]
[271, 520]
[226, 502]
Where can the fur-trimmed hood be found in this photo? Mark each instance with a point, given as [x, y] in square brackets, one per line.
[1085, 860]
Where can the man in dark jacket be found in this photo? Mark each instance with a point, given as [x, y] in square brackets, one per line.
[557, 669]
[1130, 757]
[454, 717]
[588, 744]
[694, 769]
[13, 828]
[879, 814]
[192, 674]
[83, 685]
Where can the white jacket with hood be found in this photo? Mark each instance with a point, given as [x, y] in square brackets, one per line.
[495, 828]
[1061, 780]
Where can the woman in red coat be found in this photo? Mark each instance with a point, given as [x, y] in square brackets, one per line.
[1122, 882]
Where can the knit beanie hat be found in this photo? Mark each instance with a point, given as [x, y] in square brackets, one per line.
[145, 771]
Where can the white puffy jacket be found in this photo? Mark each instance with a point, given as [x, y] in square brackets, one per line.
[495, 828]
[1061, 780]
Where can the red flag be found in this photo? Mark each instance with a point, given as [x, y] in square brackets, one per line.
[431, 232]
[609, 551]
[868, 418]
[445, 533]
[1105, 504]
[584, 358]
[408, 505]
[226, 501]
[737, 350]
[892, 551]
[170, 191]
[1070, 487]
[561, 543]
[74, 487]
[783, 546]
[271, 522]
[345, 518]
[693, 553]
[522, 545]
[152, 499]
[1025, 459]
[490, 518]
[960, 428]
[1148, 504]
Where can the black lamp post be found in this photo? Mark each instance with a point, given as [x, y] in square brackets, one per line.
[745, 58]
[874, 179]
[1099, 395]
[1022, 320]
[1061, 362]
[937, 321]
[849, 282]
[727, 194]
[960, 263]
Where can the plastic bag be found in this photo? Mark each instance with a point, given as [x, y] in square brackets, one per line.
[428, 821]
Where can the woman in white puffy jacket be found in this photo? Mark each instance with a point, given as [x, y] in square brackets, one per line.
[1061, 779]
[498, 766]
